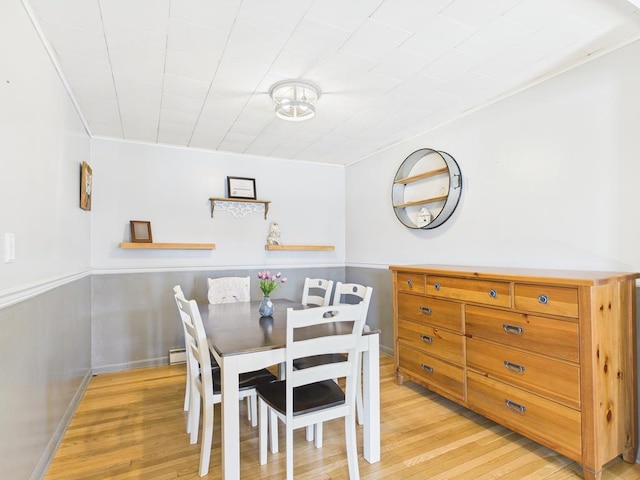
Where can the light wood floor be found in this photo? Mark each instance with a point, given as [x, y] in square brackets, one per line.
[131, 426]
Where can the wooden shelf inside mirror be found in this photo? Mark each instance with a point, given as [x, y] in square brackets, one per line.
[423, 201]
[422, 176]
[300, 247]
[168, 246]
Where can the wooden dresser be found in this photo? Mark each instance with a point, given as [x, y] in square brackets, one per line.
[548, 354]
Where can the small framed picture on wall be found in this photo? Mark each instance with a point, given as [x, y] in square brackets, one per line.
[141, 231]
[241, 187]
[86, 180]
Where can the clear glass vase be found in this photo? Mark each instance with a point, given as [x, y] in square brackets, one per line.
[266, 307]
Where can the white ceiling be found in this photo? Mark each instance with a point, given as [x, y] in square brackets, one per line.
[197, 73]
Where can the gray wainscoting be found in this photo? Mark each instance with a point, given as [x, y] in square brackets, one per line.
[135, 320]
[381, 308]
[45, 363]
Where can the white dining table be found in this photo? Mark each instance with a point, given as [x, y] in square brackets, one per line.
[242, 341]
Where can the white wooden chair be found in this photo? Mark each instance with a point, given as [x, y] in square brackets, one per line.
[231, 290]
[177, 292]
[316, 292]
[228, 289]
[345, 293]
[311, 396]
[350, 293]
[204, 381]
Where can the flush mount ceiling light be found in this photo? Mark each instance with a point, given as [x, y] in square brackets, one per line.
[295, 99]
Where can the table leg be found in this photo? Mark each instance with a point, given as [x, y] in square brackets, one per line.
[230, 419]
[371, 384]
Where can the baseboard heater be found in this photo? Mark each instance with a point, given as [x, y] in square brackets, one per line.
[177, 355]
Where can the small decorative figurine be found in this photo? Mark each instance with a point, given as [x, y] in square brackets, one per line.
[424, 217]
[274, 234]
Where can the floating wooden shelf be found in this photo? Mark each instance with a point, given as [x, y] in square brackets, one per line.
[239, 207]
[300, 247]
[169, 246]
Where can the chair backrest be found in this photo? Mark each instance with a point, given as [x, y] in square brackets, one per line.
[178, 293]
[301, 324]
[316, 292]
[198, 357]
[347, 293]
[229, 289]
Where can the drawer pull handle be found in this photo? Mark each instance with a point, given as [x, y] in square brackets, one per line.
[436, 285]
[514, 367]
[426, 338]
[516, 407]
[493, 293]
[410, 283]
[543, 299]
[512, 329]
[427, 368]
[425, 310]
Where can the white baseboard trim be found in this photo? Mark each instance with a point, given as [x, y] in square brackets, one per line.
[121, 367]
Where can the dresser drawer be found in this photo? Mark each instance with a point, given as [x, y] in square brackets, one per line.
[539, 374]
[526, 413]
[411, 282]
[432, 371]
[487, 292]
[546, 299]
[432, 340]
[438, 313]
[558, 338]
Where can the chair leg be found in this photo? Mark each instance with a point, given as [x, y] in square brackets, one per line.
[262, 432]
[194, 417]
[249, 410]
[318, 428]
[289, 439]
[187, 390]
[359, 402]
[207, 436]
[254, 409]
[352, 447]
[273, 431]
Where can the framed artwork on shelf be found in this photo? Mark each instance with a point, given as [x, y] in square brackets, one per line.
[241, 187]
[86, 178]
[140, 231]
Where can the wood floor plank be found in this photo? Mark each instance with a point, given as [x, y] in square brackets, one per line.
[131, 425]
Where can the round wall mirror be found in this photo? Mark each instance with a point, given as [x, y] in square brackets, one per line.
[426, 189]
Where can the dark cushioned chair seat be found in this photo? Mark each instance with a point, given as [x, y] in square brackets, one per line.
[247, 379]
[306, 399]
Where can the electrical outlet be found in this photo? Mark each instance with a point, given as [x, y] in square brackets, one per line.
[9, 247]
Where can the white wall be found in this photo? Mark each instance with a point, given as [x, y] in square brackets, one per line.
[550, 180]
[171, 187]
[42, 144]
[45, 295]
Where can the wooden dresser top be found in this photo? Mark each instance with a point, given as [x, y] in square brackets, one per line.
[570, 277]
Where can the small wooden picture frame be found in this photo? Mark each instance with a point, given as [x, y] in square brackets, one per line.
[141, 231]
[241, 187]
[86, 180]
